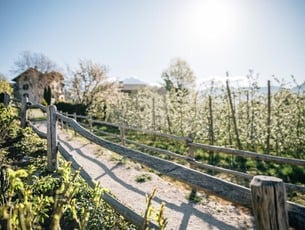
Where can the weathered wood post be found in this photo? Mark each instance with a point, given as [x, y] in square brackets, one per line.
[67, 125]
[75, 118]
[52, 138]
[90, 123]
[269, 203]
[24, 104]
[61, 121]
[122, 134]
[191, 154]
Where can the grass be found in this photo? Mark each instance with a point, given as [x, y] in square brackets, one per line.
[143, 178]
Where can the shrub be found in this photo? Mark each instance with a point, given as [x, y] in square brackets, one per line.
[8, 123]
[79, 109]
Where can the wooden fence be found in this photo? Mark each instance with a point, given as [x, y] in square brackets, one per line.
[266, 195]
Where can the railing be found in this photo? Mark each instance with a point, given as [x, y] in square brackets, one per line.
[268, 206]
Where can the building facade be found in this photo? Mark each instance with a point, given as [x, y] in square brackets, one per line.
[33, 83]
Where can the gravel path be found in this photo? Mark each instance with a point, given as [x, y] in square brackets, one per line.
[119, 176]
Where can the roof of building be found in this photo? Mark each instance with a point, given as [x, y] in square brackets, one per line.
[29, 70]
[52, 74]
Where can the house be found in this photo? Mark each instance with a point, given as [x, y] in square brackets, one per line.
[33, 83]
[130, 85]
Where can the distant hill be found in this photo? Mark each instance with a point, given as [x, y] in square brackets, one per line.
[261, 90]
[296, 89]
[133, 81]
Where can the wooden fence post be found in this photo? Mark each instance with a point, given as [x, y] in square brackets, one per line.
[122, 134]
[211, 130]
[61, 121]
[52, 138]
[75, 118]
[191, 155]
[269, 203]
[23, 111]
[67, 125]
[90, 123]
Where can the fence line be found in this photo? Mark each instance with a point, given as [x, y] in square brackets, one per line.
[210, 148]
[227, 190]
[236, 152]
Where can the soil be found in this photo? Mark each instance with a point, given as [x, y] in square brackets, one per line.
[120, 176]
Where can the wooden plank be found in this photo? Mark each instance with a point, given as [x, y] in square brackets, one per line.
[269, 203]
[105, 123]
[81, 116]
[178, 138]
[296, 215]
[38, 106]
[37, 131]
[293, 187]
[163, 151]
[222, 170]
[257, 156]
[129, 214]
[145, 131]
[107, 134]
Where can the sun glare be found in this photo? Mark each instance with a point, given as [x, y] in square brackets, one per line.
[210, 20]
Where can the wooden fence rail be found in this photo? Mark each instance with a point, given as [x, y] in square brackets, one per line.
[191, 160]
[227, 190]
[235, 152]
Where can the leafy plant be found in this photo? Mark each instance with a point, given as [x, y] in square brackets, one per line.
[151, 212]
[8, 123]
[143, 178]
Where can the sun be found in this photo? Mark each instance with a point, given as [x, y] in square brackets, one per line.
[210, 20]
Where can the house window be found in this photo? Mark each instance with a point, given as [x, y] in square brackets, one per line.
[25, 86]
[26, 95]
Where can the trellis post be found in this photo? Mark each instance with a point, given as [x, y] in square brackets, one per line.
[52, 138]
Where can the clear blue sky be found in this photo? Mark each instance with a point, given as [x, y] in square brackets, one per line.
[140, 37]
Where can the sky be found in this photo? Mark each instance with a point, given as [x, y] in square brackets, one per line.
[139, 38]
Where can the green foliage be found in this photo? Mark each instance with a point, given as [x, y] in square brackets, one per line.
[47, 95]
[194, 197]
[29, 143]
[8, 123]
[34, 200]
[143, 178]
[5, 87]
[151, 212]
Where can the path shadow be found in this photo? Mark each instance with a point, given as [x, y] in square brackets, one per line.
[187, 209]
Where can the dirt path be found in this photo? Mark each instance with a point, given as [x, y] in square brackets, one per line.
[119, 176]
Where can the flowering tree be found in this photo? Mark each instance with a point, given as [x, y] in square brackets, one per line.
[90, 85]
